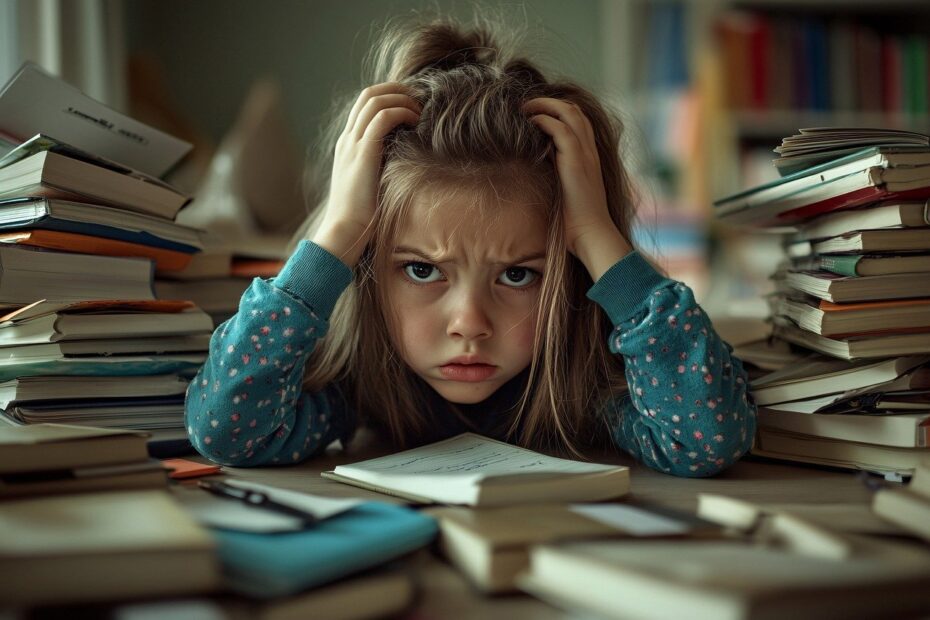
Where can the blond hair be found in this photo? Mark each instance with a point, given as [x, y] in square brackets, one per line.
[472, 136]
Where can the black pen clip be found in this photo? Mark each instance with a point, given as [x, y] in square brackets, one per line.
[255, 498]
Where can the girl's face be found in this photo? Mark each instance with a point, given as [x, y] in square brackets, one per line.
[465, 294]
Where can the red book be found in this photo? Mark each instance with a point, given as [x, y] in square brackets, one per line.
[759, 50]
[891, 75]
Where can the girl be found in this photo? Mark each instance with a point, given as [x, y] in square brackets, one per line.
[470, 264]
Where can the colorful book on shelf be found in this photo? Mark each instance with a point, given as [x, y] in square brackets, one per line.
[907, 507]
[839, 320]
[281, 564]
[93, 547]
[165, 260]
[34, 101]
[473, 470]
[98, 221]
[51, 175]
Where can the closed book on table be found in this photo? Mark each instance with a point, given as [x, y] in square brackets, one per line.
[101, 547]
[280, 564]
[729, 580]
[148, 474]
[491, 546]
[59, 446]
[909, 506]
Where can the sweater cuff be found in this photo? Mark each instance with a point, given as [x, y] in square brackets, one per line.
[625, 286]
[314, 276]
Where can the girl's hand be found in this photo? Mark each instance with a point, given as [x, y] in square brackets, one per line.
[347, 222]
[590, 234]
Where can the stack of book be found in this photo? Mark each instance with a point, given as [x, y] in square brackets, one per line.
[854, 292]
[86, 517]
[85, 221]
[216, 278]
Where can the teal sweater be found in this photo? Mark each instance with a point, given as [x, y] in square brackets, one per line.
[687, 413]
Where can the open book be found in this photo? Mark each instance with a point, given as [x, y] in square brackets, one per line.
[477, 471]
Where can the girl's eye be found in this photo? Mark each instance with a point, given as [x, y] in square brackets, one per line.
[422, 272]
[518, 277]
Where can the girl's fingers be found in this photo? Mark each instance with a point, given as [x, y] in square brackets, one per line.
[564, 138]
[572, 116]
[386, 120]
[366, 95]
[376, 105]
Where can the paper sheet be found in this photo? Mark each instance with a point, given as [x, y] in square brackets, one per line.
[636, 521]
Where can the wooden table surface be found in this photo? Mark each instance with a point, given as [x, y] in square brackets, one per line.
[445, 594]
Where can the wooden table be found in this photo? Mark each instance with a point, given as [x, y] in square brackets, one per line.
[445, 594]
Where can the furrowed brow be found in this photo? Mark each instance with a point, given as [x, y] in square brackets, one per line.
[440, 259]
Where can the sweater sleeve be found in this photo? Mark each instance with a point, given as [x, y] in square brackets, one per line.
[246, 407]
[688, 411]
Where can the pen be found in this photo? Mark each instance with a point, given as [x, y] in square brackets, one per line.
[254, 498]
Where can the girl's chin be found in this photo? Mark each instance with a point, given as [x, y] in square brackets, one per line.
[462, 393]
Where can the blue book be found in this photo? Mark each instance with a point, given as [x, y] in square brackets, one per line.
[98, 221]
[270, 565]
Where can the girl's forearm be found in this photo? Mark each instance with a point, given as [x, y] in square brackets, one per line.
[600, 248]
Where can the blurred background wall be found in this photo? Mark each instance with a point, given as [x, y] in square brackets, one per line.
[707, 87]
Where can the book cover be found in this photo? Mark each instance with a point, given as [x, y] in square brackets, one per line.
[271, 565]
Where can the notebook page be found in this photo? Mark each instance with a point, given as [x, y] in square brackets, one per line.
[467, 456]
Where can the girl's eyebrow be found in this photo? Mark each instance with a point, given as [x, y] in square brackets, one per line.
[440, 259]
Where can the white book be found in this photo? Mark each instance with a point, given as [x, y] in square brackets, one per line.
[905, 430]
[818, 376]
[57, 327]
[894, 215]
[34, 101]
[728, 580]
[477, 471]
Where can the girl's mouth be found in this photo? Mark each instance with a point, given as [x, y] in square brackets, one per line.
[467, 372]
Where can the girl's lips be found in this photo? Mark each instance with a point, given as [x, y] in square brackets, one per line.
[467, 372]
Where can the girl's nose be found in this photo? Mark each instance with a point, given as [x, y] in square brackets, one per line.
[468, 318]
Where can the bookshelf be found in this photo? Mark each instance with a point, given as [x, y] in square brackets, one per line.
[714, 85]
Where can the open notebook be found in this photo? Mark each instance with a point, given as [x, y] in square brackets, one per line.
[477, 471]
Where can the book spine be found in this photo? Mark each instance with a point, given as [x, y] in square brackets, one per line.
[842, 265]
